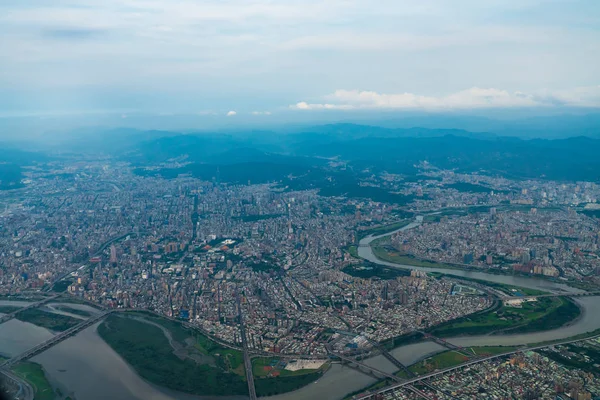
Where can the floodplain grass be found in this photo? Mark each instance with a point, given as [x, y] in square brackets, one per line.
[34, 374]
[75, 311]
[260, 368]
[490, 350]
[146, 348]
[385, 253]
[439, 361]
[353, 251]
[544, 314]
[148, 351]
[9, 309]
[48, 320]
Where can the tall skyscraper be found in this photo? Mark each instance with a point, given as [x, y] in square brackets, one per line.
[113, 254]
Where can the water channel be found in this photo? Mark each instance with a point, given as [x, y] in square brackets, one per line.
[365, 251]
[91, 370]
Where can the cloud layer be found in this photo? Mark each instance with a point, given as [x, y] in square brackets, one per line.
[177, 55]
[474, 98]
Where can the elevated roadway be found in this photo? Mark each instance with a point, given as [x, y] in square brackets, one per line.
[23, 390]
[98, 252]
[422, 378]
[379, 372]
[37, 304]
[391, 358]
[582, 294]
[247, 359]
[446, 344]
[367, 367]
[54, 340]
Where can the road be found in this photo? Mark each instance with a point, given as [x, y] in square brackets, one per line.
[54, 340]
[583, 294]
[391, 358]
[445, 344]
[11, 315]
[25, 391]
[410, 381]
[384, 374]
[247, 359]
[365, 366]
[99, 251]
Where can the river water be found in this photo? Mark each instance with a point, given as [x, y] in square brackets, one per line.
[84, 366]
[93, 371]
[365, 251]
[17, 336]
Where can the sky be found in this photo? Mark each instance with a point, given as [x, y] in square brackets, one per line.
[260, 58]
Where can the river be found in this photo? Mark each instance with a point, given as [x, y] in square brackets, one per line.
[365, 252]
[106, 375]
[93, 371]
[84, 365]
[340, 381]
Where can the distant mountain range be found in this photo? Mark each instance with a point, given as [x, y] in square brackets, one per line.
[528, 124]
[381, 149]
[527, 127]
[11, 161]
[301, 158]
[10, 176]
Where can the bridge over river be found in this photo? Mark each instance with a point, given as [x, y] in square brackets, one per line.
[9, 316]
[423, 379]
[54, 340]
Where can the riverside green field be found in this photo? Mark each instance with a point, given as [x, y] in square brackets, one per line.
[191, 362]
[543, 314]
[386, 253]
[54, 322]
[146, 348]
[34, 374]
[287, 381]
[9, 309]
[441, 360]
[75, 311]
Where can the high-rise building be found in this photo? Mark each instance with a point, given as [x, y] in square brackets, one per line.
[384, 292]
[113, 254]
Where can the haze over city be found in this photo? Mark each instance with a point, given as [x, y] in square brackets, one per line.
[291, 200]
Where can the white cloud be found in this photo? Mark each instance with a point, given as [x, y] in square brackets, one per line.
[87, 53]
[261, 113]
[474, 98]
[302, 106]
[231, 113]
[306, 106]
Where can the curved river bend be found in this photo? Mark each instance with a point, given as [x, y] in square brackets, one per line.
[340, 381]
[108, 376]
[365, 252]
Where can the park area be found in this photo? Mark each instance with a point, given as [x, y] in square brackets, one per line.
[273, 375]
[543, 314]
[166, 353]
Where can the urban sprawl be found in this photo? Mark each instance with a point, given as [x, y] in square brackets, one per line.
[192, 250]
